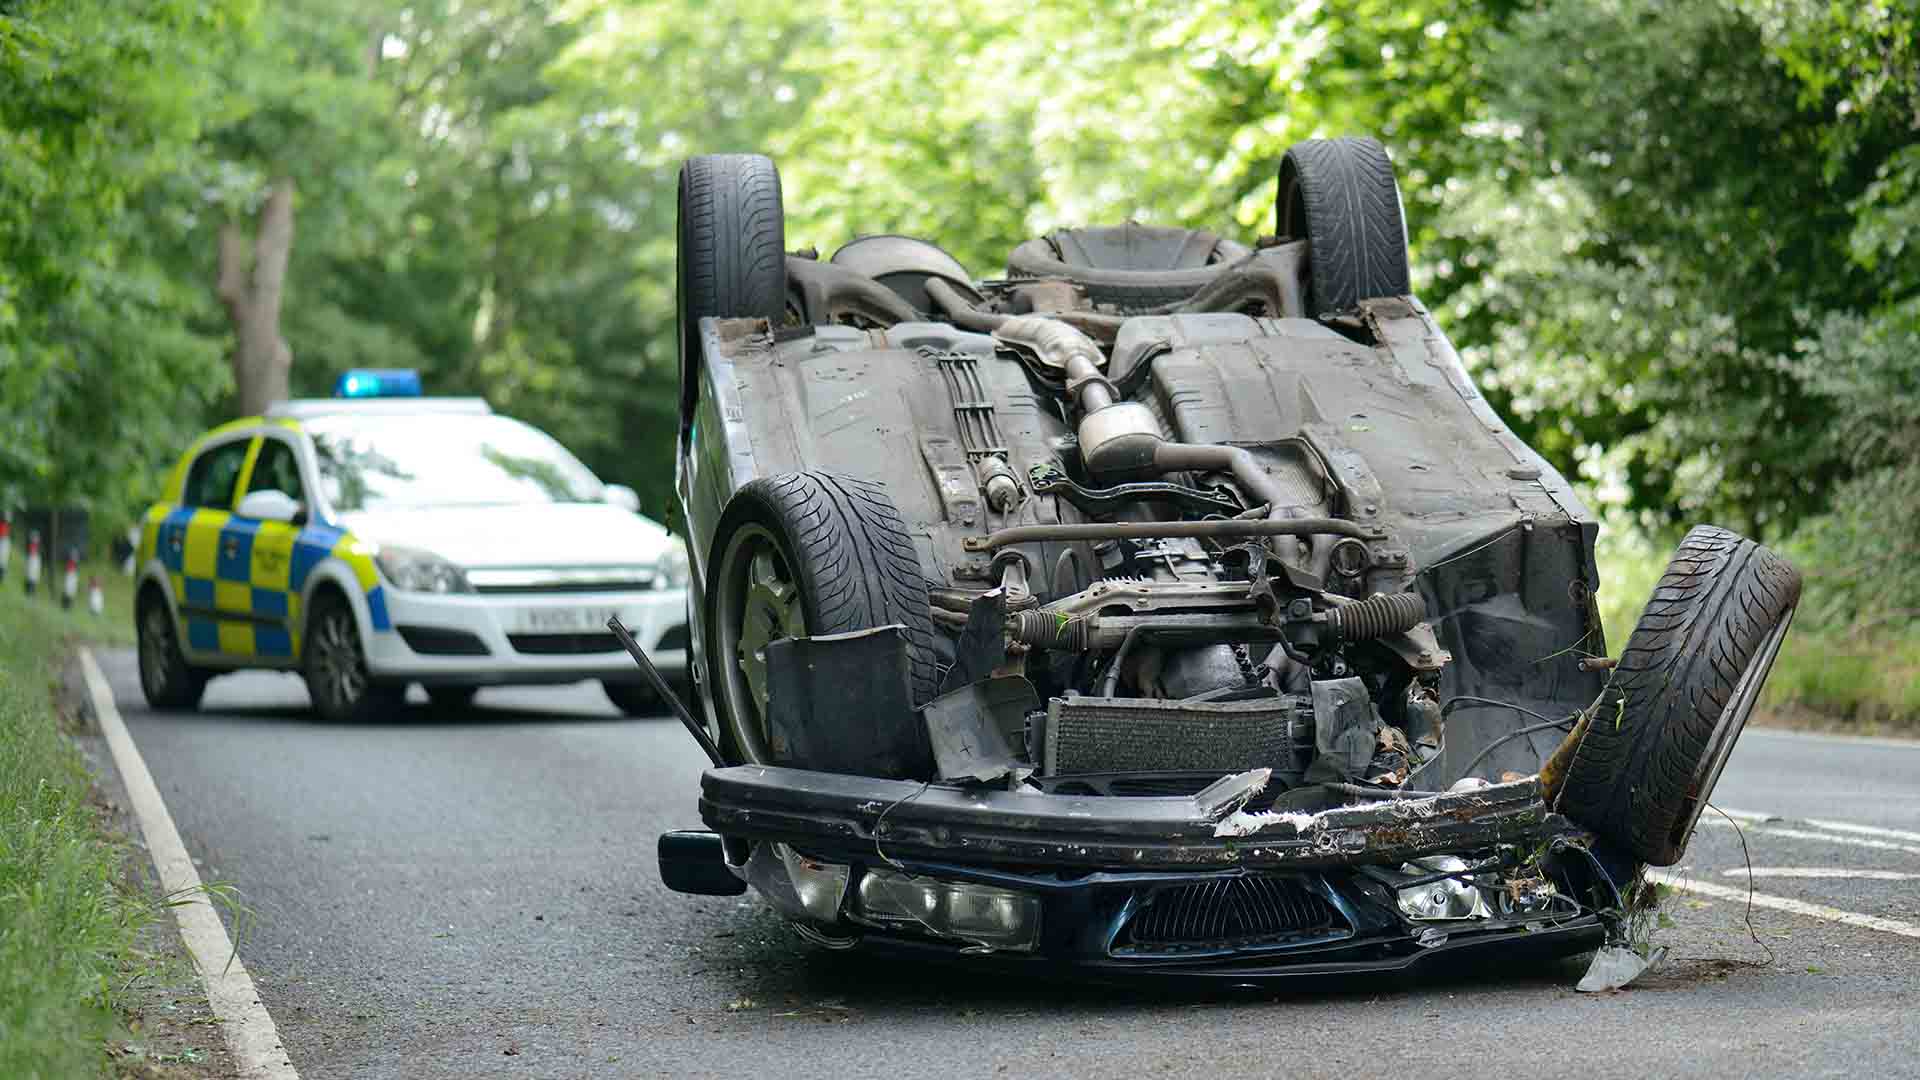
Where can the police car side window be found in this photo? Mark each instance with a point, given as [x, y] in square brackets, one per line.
[212, 479]
[276, 469]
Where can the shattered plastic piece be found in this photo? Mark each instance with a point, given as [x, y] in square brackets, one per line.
[1231, 792]
[1614, 966]
[967, 729]
[1243, 823]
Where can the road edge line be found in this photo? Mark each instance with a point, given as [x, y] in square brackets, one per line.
[252, 1038]
[1689, 883]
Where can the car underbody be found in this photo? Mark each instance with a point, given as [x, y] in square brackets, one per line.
[1168, 607]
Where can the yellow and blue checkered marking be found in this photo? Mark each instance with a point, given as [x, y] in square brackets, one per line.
[239, 582]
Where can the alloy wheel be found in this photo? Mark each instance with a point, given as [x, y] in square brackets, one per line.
[759, 603]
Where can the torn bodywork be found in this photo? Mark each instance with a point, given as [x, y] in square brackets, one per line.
[1165, 605]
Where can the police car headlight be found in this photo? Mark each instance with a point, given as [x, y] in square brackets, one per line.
[415, 570]
[673, 571]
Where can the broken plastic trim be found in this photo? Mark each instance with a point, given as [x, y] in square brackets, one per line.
[830, 812]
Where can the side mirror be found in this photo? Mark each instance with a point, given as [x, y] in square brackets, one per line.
[622, 496]
[271, 506]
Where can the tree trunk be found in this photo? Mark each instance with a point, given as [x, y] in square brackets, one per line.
[251, 284]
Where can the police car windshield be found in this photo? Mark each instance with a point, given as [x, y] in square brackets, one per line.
[398, 461]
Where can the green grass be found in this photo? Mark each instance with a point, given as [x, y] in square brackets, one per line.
[1825, 677]
[67, 919]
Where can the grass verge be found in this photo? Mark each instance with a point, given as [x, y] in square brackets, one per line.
[67, 918]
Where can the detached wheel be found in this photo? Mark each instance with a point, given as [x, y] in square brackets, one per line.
[731, 255]
[165, 677]
[807, 554]
[1339, 195]
[1685, 685]
[335, 666]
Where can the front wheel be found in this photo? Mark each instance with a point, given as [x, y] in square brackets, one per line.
[165, 677]
[803, 554]
[335, 666]
[1653, 747]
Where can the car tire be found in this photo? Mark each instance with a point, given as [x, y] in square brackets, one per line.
[731, 257]
[452, 698]
[335, 666]
[840, 546]
[1339, 195]
[166, 678]
[1652, 749]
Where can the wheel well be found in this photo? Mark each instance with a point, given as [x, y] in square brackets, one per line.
[322, 592]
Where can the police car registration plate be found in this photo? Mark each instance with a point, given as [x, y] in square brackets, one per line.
[563, 620]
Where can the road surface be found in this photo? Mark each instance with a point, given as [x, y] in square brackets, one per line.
[475, 895]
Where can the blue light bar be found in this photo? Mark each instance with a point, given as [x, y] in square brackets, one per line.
[378, 383]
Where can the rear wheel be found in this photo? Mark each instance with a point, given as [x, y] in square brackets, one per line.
[1687, 680]
[1339, 196]
[335, 666]
[165, 676]
[731, 256]
[807, 554]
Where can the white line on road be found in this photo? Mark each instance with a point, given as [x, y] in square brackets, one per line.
[1830, 826]
[1820, 872]
[251, 1036]
[1686, 883]
[1831, 737]
[1756, 829]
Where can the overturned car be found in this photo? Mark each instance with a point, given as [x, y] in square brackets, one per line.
[1169, 606]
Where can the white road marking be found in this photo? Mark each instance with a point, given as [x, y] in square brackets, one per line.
[251, 1035]
[1821, 872]
[1685, 883]
[1831, 826]
[1754, 828]
[1783, 735]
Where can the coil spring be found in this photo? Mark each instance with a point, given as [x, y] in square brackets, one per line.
[1377, 616]
[1046, 630]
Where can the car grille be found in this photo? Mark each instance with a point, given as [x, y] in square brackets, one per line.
[563, 644]
[552, 587]
[436, 641]
[1229, 912]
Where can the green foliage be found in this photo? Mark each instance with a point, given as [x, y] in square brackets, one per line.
[100, 105]
[66, 923]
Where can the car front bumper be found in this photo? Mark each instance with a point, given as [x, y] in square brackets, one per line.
[484, 640]
[1239, 895]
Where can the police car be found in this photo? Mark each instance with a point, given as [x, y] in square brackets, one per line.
[380, 538]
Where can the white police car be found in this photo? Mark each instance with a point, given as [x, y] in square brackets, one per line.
[380, 538]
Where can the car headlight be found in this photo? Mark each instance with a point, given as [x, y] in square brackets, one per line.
[416, 570]
[673, 571]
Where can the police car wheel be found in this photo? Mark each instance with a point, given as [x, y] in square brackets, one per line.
[165, 677]
[336, 667]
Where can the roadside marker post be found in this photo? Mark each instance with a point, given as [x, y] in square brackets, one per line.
[70, 585]
[33, 561]
[6, 543]
[96, 600]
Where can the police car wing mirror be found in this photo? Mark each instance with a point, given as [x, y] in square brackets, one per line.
[621, 496]
[271, 505]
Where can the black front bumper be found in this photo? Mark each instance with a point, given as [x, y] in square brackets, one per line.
[1096, 862]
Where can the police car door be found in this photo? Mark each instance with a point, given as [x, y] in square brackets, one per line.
[266, 521]
[211, 629]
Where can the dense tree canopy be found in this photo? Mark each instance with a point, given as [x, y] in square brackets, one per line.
[1676, 240]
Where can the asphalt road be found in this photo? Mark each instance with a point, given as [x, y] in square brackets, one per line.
[475, 895]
